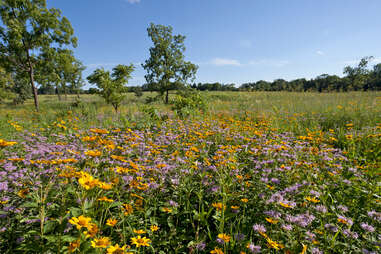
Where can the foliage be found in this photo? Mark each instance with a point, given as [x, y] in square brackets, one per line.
[187, 101]
[166, 68]
[112, 86]
[6, 84]
[63, 68]
[27, 30]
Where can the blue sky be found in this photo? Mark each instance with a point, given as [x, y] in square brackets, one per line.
[232, 41]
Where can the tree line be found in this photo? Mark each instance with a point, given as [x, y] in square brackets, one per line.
[357, 78]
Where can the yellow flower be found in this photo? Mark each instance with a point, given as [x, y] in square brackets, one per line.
[104, 186]
[117, 250]
[234, 207]
[127, 209]
[99, 131]
[274, 245]
[167, 210]
[224, 237]
[139, 241]
[93, 153]
[102, 242]
[22, 193]
[105, 199]
[219, 206]
[285, 205]
[111, 222]
[92, 230]
[73, 246]
[4, 143]
[87, 181]
[139, 232]
[244, 200]
[217, 251]
[154, 228]
[80, 222]
[312, 199]
[304, 249]
[272, 221]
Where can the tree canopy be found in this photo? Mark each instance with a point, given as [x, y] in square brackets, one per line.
[112, 86]
[166, 68]
[29, 29]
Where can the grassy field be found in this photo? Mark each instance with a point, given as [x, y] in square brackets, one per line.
[254, 172]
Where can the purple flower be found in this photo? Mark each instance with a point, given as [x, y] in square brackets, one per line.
[321, 208]
[316, 251]
[348, 233]
[374, 215]
[310, 236]
[344, 209]
[259, 228]
[239, 237]
[273, 214]
[173, 203]
[331, 227]
[200, 246]
[365, 251]
[220, 241]
[367, 227]
[287, 227]
[315, 193]
[254, 248]
[3, 186]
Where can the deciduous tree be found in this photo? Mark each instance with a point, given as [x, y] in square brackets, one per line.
[28, 29]
[166, 68]
[112, 86]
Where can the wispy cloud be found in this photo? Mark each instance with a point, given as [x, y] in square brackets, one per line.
[270, 62]
[133, 1]
[225, 62]
[320, 53]
[245, 43]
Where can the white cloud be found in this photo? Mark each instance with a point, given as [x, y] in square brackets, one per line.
[133, 1]
[245, 43]
[270, 62]
[320, 53]
[225, 62]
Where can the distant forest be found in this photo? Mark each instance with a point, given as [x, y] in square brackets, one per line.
[358, 78]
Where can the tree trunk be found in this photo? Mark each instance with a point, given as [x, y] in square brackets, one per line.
[166, 97]
[58, 93]
[64, 90]
[34, 89]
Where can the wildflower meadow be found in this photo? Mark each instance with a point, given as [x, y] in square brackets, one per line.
[265, 180]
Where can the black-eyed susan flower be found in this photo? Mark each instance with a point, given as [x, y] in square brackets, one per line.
[102, 242]
[80, 222]
[111, 222]
[139, 241]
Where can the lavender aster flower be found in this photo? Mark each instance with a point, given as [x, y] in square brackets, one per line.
[259, 228]
[367, 227]
[253, 248]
